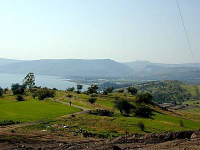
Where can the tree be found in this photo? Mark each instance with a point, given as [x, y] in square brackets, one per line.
[92, 89]
[144, 98]
[70, 89]
[29, 80]
[43, 93]
[132, 90]
[143, 111]
[1, 91]
[79, 88]
[108, 90]
[18, 89]
[124, 106]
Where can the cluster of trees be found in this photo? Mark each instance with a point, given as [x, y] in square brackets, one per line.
[138, 108]
[166, 91]
[42, 93]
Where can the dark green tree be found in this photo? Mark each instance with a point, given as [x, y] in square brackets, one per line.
[70, 89]
[92, 89]
[108, 90]
[143, 111]
[79, 88]
[18, 89]
[123, 106]
[132, 90]
[144, 98]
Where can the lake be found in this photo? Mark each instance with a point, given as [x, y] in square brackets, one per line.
[6, 80]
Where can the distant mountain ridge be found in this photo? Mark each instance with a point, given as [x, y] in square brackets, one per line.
[69, 67]
[145, 70]
[136, 70]
[4, 61]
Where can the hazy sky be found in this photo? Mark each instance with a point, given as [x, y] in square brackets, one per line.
[122, 30]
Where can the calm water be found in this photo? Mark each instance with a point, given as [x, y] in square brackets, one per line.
[6, 80]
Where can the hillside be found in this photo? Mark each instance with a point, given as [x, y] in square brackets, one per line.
[69, 67]
[168, 91]
[145, 70]
[54, 124]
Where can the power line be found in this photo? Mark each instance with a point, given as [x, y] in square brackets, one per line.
[186, 34]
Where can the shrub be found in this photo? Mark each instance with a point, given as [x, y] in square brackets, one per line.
[141, 125]
[43, 93]
[8, 122]
[121, 91]
[18, 89]
[78, 92]
[102, 112]
[69, 96]
[143, 111]
[181, 123]
[92, 100]
[70, 89]
[19, 98]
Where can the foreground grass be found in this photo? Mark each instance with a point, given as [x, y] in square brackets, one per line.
[103, 126]
[32, 110]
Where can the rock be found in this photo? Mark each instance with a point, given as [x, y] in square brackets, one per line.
[195, 135]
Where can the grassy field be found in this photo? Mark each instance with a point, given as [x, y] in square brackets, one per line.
[193, 89]
[32, 110]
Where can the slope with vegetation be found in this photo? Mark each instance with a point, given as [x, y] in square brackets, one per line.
[88, 114]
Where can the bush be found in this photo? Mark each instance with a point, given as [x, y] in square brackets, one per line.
[121, 91]
[78, 92]
[143, 111]
[8, 122]
[19, 98]
[141, 125]
[43, 93]
[181, 123]
[92, 100]
[18, 89]
[102, 112]
[1, 92]
[69, 96]
[70, 89]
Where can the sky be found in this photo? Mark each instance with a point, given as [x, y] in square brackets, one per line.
[122, 30]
